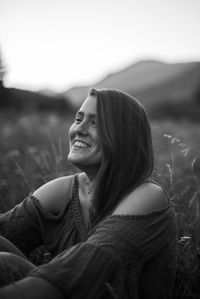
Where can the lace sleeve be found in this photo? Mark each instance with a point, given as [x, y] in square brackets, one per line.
[96, 268]
[84, 271]
[114, 256]
[20, 225]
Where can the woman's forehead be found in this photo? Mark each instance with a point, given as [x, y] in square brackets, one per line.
[89, 106]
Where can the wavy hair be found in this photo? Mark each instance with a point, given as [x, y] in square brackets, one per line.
[127, 159]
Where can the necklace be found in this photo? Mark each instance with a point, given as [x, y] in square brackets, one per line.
[90, 206]
[89, 192]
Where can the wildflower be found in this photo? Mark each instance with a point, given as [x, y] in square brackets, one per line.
[196, 166]
[184, 152]
[175, 140]
[167, 136]
[184, 239]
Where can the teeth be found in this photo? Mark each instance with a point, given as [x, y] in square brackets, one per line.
[80, 144]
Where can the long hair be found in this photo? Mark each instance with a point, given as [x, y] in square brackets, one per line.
[127, 159]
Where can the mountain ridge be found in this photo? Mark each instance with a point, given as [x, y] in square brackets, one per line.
[151, 81]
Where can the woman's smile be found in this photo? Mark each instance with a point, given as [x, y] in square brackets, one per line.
[80, 144]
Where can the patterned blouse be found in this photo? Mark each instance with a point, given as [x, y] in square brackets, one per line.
[127, 256]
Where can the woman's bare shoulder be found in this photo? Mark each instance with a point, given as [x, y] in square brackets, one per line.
[145, 199]
[52, 195]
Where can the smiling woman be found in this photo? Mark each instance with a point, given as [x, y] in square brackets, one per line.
[111, 231]
[85, 146]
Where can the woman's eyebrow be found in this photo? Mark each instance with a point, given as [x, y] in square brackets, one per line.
[79, 113]
[91, 115]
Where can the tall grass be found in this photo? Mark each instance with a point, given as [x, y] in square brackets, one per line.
[34, 150]
[178, 168]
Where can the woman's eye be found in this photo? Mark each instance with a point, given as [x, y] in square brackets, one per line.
[77, 120]
[93, 122]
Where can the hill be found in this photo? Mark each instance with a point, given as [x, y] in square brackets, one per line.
[156, 84]
[19, 99]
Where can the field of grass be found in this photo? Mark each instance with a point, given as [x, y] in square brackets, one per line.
[34, 149]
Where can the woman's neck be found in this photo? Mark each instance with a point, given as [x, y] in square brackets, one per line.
[88, 182]
[86, 192]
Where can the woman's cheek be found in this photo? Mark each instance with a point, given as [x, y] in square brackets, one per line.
[71, 132]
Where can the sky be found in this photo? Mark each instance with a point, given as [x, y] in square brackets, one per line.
[58, 44]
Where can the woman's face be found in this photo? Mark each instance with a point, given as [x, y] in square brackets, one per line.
[85, 147]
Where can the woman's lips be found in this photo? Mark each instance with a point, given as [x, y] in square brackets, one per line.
[80, 144]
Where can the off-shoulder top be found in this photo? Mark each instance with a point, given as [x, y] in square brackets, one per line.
[127, 256]
[28, 225]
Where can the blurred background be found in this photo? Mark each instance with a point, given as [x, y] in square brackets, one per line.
[58, 49]
[53, 51]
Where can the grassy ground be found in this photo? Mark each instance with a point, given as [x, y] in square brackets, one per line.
[34, 148]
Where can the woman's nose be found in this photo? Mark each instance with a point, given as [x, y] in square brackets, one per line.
[82, 128]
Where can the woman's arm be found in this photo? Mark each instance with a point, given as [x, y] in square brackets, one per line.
[7, 246]
[83, 271]
[23, 225]
[30, 288]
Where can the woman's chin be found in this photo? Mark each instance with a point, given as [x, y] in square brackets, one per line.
[83, 165]
[76, 161]
[75, 158]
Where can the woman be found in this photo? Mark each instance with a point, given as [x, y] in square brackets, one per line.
[112, 229]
